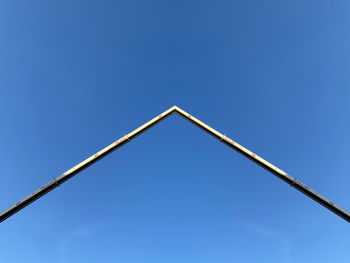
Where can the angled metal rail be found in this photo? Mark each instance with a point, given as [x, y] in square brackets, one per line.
[127, 138]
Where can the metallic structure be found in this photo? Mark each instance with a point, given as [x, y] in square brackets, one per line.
[127, 138]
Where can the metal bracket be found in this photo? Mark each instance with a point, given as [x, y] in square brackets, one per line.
[222, 138]
[294, 181]
[55, 181]
[126, 136]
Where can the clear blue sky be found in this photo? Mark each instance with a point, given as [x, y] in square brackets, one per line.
[77, 75]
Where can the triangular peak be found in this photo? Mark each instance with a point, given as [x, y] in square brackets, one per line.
[127, 138]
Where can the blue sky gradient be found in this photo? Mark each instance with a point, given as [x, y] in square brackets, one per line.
[77, 75]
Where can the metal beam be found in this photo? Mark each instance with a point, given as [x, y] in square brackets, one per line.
[127, 138]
